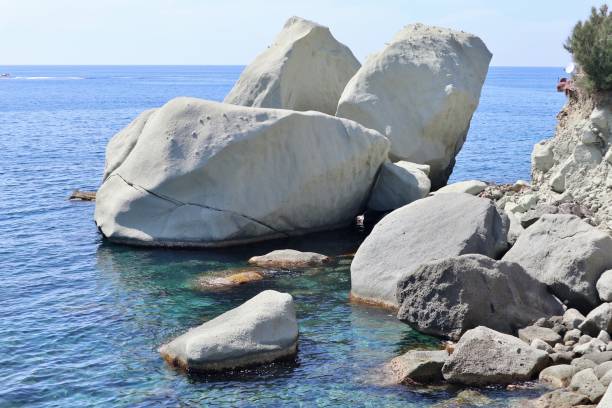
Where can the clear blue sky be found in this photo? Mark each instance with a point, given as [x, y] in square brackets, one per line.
[518, 32]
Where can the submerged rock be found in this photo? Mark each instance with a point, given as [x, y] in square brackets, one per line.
[305, 68]
[261, 330]
[398, 184]
[420, 91]
[289, 258]
[566, 254]
[432, 228]
[449, 296]
[228, 281]
[484, 356]
[203, 173]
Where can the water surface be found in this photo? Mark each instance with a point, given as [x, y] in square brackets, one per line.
[80, 319]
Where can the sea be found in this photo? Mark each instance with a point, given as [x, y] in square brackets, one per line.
[81, 319]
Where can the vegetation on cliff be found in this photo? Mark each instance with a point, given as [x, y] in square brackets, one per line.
[591, 45]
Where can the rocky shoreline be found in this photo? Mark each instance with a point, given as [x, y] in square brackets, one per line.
[519, 276]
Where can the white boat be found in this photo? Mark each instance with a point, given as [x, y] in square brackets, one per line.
[5, 75]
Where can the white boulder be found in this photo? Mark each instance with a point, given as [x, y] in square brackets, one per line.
[567, 254]
[542, 156]
[204, 173]
[432, 228]
[261, 330]
[305, 68]
[420, 91]
[398, 184]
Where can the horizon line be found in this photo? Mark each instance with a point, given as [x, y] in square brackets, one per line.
[197, 65]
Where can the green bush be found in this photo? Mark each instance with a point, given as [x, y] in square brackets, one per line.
[591, 45]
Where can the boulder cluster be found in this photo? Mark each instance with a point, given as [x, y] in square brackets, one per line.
[519, 276]
[539, 308]
[307, 140]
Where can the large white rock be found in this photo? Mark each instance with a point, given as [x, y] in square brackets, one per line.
[449, 296]
[567, 254]
[432, 228]
[420, 91]
[261, 330]
[305, 68]
[484, 356]
[204, 173]
[398, 184]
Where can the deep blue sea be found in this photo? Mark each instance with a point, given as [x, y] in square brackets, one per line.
[80, 319]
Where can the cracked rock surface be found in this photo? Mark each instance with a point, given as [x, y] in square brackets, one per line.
[201, 173]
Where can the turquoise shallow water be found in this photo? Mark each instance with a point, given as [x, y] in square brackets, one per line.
[80, 320]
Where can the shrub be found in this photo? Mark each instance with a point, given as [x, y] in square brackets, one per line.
[591, 45]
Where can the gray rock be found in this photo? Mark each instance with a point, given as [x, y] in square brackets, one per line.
[560, 399]
[572, 318]
[531, 216]
[586, 382]
[585, 338]
[449, 296]
[398, 184]
[603, 368]
[562, 347]
[606, 379]
[261, 330]
[484, 356]
[561, 357]
[419, 366]
[542, 345]
[567, 254]
[606, 401]
[289, 258]
[593, 346]
[604, 336]
[598, 319]
[572, 335]
[604, 286]
[435, 227]
[558, 376]
[599, 357]
[529, 333]
[581, 363]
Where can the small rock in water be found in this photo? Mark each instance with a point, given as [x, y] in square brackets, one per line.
[290, 258]
[83, 195]
[261, 330]
[235, 279]
[419, 366]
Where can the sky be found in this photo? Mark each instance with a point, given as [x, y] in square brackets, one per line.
[233, 32]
